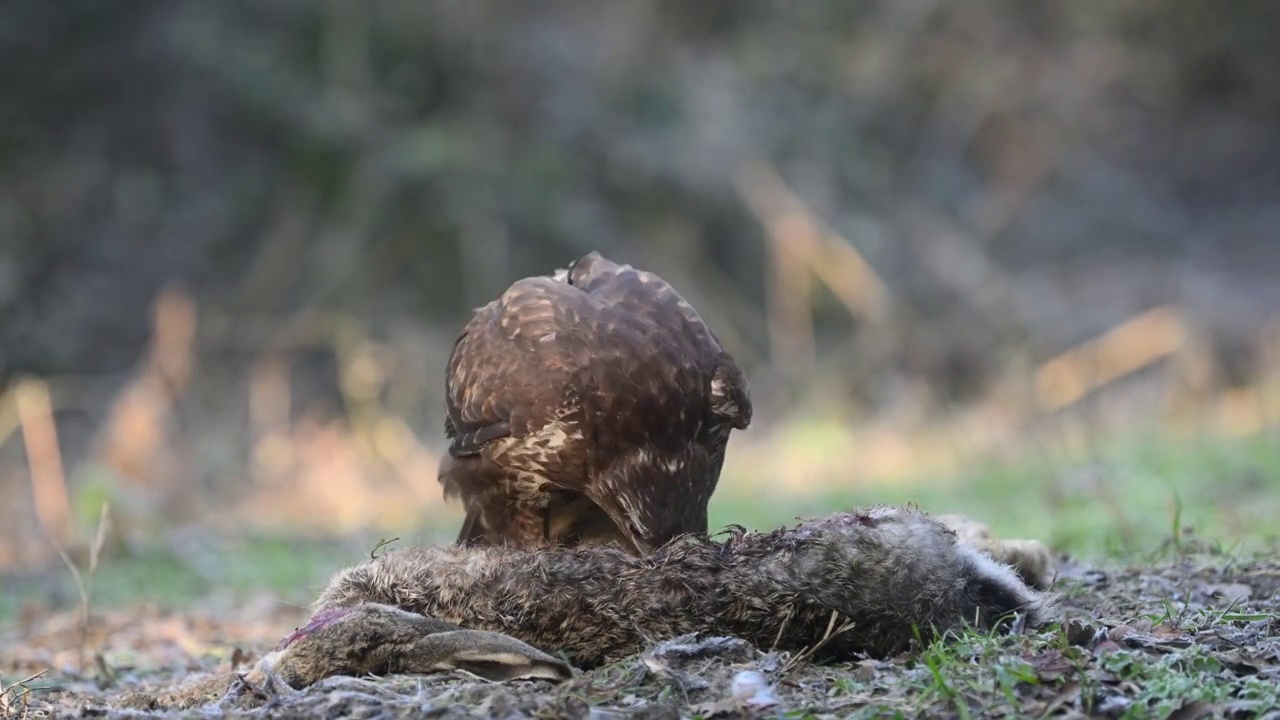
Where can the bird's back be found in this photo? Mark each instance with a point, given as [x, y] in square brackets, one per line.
[552, 382]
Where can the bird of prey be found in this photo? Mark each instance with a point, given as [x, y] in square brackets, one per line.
[592, 405]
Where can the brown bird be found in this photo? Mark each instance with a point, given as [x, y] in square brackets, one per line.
[588, 406]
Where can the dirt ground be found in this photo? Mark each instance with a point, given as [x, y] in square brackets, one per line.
[1197, 636]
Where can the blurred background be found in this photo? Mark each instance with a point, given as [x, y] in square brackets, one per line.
[1017, 259]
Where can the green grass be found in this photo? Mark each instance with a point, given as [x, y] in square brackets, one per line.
[1133, 497]
[290, 569]
[966, 673]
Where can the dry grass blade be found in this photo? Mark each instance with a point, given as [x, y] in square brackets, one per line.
[831, 633]
[99, 540]
[84, 586]
[786, 622]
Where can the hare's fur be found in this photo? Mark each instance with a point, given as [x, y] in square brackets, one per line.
[875, 576]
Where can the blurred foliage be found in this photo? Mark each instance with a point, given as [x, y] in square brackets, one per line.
[338, 183]
[408, 159]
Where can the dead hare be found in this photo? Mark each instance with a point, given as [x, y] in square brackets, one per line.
[501, 613]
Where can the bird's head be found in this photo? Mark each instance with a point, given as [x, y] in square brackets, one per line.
[589, 270]
[655, 497]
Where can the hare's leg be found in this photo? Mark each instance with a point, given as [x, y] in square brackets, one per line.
[375, 639]
[1031, 559]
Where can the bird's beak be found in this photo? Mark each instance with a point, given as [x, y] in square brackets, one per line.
[626, 526]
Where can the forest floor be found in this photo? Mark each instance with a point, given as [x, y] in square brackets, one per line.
[1197, 635]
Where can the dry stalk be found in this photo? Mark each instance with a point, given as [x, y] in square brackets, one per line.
[792, 245]
[825, 253]
[44, 458]
[84, 586]
[13, 698]
[1137, 343]
[9, 422]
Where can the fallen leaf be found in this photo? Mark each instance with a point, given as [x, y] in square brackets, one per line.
[1142, 635]
[1051, 666]
[1229, 592]
[1193, 711]
[1081, 632]
[865, 670]
[1070, 693]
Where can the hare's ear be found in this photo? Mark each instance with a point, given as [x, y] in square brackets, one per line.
[489, 655]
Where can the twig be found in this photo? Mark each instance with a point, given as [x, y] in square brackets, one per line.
[373, 554]
[16, 706]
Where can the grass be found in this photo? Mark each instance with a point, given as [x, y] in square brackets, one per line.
[964, 673]
[290, 569]
[1134, 497]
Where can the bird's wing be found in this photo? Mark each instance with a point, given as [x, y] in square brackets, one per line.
[510, 369]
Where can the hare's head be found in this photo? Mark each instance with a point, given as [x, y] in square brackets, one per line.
[375, 639]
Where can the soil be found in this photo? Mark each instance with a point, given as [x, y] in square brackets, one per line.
[1196, 636]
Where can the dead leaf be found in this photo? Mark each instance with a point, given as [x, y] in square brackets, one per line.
[1193, 711]
[1080, 632]
[1106, 646]
[1142, 635]
[865, 670]
[1070, 693]
[1133, 627]
[1051, 665]
[1229, 592]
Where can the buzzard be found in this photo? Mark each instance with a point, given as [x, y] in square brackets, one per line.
[592, 405]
